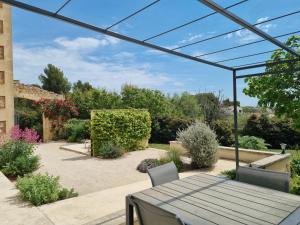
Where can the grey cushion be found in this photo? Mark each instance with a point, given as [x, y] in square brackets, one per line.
[163, 174]
[265, 178]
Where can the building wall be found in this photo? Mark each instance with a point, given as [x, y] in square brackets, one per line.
[6, 71]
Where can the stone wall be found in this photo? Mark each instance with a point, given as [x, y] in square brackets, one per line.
[6, 72]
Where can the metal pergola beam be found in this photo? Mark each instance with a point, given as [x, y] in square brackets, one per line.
[247, 25]
[273, 73]
[266, 64]
[47, 13]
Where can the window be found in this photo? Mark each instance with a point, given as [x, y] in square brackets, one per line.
[2, 77]
[2, 127]
[2, 102]
[1, 52]
[1, 27]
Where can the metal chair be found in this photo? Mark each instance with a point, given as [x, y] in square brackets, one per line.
[265, 178]
[163, 174]
[149, 214]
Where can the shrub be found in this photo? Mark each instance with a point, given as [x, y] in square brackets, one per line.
[251, 142]
[223, 130]
[77, 130]
[147, 164]
[28, 135]
[17, 159]
[108, 150]
[295, 185]
[164, 129]
[172, 155]
[201, 143]
[295, 164]
[42, 189]
[230, 174]
[274, 131]
[127, 129]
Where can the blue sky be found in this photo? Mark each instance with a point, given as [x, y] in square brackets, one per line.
[109, 63]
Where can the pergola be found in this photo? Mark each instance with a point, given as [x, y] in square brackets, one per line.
[217, 9]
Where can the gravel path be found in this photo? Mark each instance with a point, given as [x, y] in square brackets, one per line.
[87, 174]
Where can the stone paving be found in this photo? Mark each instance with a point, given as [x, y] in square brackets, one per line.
[102, 185]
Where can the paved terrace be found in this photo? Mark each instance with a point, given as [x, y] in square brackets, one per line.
[102, 187]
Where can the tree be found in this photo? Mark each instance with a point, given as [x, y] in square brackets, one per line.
[54, 80]
[80, 86]
[210, 106]
[187, 105]
[280, 91]
[142, 98]
[228, 103]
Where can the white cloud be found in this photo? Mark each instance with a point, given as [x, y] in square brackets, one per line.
[246, 36]
[85, 43]
[77, 65]
[190, 38]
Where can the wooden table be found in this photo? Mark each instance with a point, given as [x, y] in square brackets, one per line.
[209, 200]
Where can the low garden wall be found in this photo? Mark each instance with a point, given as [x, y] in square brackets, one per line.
[256, 158]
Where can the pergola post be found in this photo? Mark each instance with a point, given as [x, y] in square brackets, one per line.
[235, 118]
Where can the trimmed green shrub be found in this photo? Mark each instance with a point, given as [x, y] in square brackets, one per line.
[295, 185]
[147, 164]
[42, 189]
[223, 130]
[201, 143]
[108, 150]
[230, 174]
[127, 129]
[77, 130]
[172, 155]
[17, 158]
[295, 164]
[164, 129]
[251, 142]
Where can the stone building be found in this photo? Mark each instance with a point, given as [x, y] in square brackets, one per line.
[6, 71]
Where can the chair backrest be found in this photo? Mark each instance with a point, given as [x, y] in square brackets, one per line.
[149, 214]
[265, 178]
[163, 174]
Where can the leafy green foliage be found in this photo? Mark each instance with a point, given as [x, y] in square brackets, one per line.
[279, 91]
[295, 164]
[77, 130]
[251, 142]
[42, 189]
[201, 143]
[210, 106]
[17, 159]
[230, 174]
[108, 150]
[295, 185]
[141, 98]
[127, 129]
[273, 131]
[223, 130]
[164, 129]
[172, 155]
[95, 99]
[54, 80]
[28, 115]
[187, 105]
[79, 86]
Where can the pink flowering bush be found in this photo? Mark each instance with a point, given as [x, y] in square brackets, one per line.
[28, 135]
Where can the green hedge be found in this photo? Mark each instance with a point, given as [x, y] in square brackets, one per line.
[128, 129]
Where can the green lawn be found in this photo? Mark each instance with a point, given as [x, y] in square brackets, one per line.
[160, 146]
